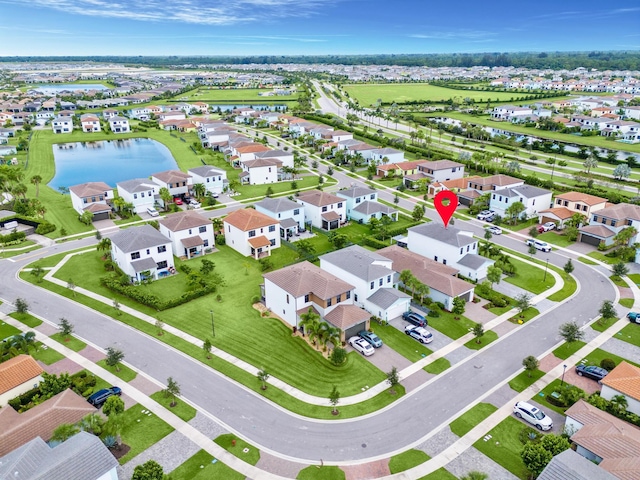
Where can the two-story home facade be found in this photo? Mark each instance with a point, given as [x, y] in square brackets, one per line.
[568, 204]
[288, 213]
[175, 181]
[449, 246]
[373, 278]
[322, 209]
[362, 204]
[92, 196]
[251, 233]
[90, 123]
[534, 200]
[191, 234]
[119, 124]
[214, 179]
[138, 191]
[605, 223]
[259, 171]
[142, 252]
[62, 124]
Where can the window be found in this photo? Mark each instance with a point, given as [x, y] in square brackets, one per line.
[329, 302]
[444, 261]
[306, 298]
[373, 196]
[613, 223]
[148, 251]
[338, 299]
[558, 201]
[380, 281]
[340, 205]
[584, 208]
[272, 242]
[135, 195]
[272, 228]
[162, 248]
[142, 195]
[135, 255]
[461, 251]
[435, 258]
[355, 296]
[467, 248]
[388, 278]
[208, 179]
[101, 197]
[202, 229]
[494, 196]
[358, 200]
[252, 233]
[279, 215]
[189, 231]
[324, 209]
[287, 298]
[371, 287]
[269, 169]
[603, 221]
[229, 229]
[162, 264]
[205, 243]
[85, 200]
[296, 211]
[595, 218]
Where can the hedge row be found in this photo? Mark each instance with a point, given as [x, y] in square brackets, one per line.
[12, 237]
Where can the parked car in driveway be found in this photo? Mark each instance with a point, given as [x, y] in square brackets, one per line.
[495, 230]
[591, 371]
[538, 245]
[371, 337]
[415, 319]
[486, 215]
[194, 204]
[419, 333]
[152, 211]
[362, 346]
[634, 317]
[533, 415]
[177, 201]
[546, 227]
[101, 396]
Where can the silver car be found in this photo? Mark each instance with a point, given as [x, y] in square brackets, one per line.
[533, 415]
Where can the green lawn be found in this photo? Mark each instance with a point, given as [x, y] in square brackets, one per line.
[525, 379]
[315, 472]
[406, 460]
[236, 446]
[446, 323]
[200, 467]
[603, 258]
[635, 278]
[47, 356]
[70, 342]
[595, 357]
[471, 418]
[122, 371]
[140, 431]
[183, 410]
[438, 366]
[26, 318]
[7, 330]
[504, 446]
[631, 334]
[555, 238]
[626, 302]
[488, 337]
[235, 95]
[601, 325]
[530, 278]
[400, 342]
[618, 281]
[253, 191]
[440, 474]
[548, 390]
[565, 350]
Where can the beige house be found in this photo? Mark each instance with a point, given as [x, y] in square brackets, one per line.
[17, 376]
[570, 203]
[623, 380]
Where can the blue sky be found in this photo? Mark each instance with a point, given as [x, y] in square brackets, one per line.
[286, 27]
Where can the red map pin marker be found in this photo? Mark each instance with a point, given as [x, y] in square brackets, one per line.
[445, 211]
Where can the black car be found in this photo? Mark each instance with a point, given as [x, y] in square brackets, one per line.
[591, 371]
[415, 319]
[98, 398]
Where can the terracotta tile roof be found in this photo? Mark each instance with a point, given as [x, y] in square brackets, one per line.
[625, 378]
[330, 216]
[562, 213]
[582, 198]
[249, 219]
[97, 208]
[261, 241]
[184, 220]
[346, 316]
[16, 429]
[319, 198]
[18, 370]
[252, 149]
[304, 278]
[90, 189]
[401, 165]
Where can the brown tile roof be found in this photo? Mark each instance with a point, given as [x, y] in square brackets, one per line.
[319, 198]
[192, 241]
[304, 278]
[90, 189]
[184, 220]
[625, 378]
[440, 164]
[597, 230]
[262, 162]
[249, 219]
[97, 208]
[621, 211]
[346, 316]
[171, 176]
[561, 212]
[581, 197]
[330, 216]
[18, 370]
[252, 148]
[257, 242]
[16, 429]
[401, 165]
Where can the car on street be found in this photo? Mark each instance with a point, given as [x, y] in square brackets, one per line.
[533, 415]
[371, 337]
[362, 346]
[101, 396]
[152, 211]
[415, 319]
[546, 227]
[591, 371]
[419, 333]
[494, 230]
[538, 245]
[194, 204]
[177, 201]
[634, 317]
[486, 215]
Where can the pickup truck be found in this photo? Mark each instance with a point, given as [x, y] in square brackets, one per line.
[538, 245]
[633, 317]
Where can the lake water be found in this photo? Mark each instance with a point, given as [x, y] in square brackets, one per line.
[109, 161]
[72, 87]
[226, 107]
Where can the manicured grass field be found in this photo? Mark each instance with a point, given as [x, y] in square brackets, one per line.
[325, 472]
[183, 410]
[400, 342]
[554, 386]
[123, 372]
[70, 342]
[468, 420]
[631, 334]
[488, 337]
[200, 467]
[626, 302]
[440, 474]
[446, 323]
[595, 357]
[523, 380]
[7, 330]
[26, 318]
[634, 277]
[532, 279]
[48, 356]
[406, 460]
[141, 430]
[235, 95]
[504, 446]
[235, 445]
[565, 350]
[618, 281]
[555, 239]
[438, 366]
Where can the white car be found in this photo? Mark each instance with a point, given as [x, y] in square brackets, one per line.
[538, 245]
[495, 230]
[152, 211]
[362, 346]
[194, 204]
[486, 215]
[545, 227]
[421, 334]
[533, 415]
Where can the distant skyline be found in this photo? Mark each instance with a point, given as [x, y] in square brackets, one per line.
[312, 27]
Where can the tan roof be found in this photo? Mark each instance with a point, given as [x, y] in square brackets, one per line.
[249, 219]
[262, 162]
[304, 278]
[257, 242]
[621, 211]
[16, 429]
[184, 220]
[582, 198]
[561, 212]
[252, 148]
[345, 316]
[319, 198]
[597, 230]
[458, 183]
[330, 216]
[625, 378]
[189, 242]
[18, 370]
[440, 164]
[171, 176]
[401, 165]
[615, 441]
[90, 189]
[97, 208]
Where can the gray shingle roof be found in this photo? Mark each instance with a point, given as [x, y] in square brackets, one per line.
[143, 264]
[385, 297]
[570, 465]
[207, 171]
[137, 185]
[473, 261]
[359, 262]
[529, 191]
[369, 208]
[450, 235]
[136, 238]
[356, 191]
[278, 205]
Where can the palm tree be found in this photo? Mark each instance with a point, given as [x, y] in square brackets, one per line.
[310, 324]
[104, 244]
[619, 403]
[64, 431]
[35, 180]
[119, 203]
[199, 190]
[218, 225]
[19, 190]
[590, 162]
[166, 197]
[329, 334]
[407, 278]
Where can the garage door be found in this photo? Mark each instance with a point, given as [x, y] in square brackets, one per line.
[101, 216]
[350, 332]
[589, 239]
[395, 311]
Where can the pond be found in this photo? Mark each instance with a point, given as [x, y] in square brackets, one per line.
[68, 87]
[109, 161]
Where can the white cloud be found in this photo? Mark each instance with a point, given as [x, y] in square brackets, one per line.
[456, 34]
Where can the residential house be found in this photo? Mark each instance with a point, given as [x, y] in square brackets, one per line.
[285, 157]
[494, 182]
[570, 465]
[109, 113]
[289, 214]
[362, 204]
[567, 204]
[191, 234]
[175, 181]
[62, 124]
[142, 252]
[214, 179]
[90, 123]
[119, 124]
[138, 191]
[378, 155]
[534, 199]
[401, 168]
[623, 380]
[506, 112]
[442, 280]
[436, 171]
[456, 186]
[259, 171]
[291, 291]
[247, 151]
[607, 441]
[373, 278]
[605, 223]
[81, 456]
[93, 197]
[451, 246]
[16, 429]
[322, 209]
[18, 375]
[250, 232]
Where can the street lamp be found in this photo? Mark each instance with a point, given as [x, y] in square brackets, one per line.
[213, 328]
[545, 271]
[564, 369]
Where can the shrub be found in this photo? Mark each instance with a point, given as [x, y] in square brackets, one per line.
[608, 364]
[338, 356]
[433, 314]
[45, 227]
[220, 240]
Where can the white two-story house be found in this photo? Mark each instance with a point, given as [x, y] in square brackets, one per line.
[534, 200]
[90, 123]
[260, 171]
[288, 213]
[119, 124]
[214, 179]
[322, 209]
[142, 252]
[191, 234]
[62, 124]
[362, 205]
[138, 191]
[251, 233]
[175, 181]
[93, 197]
